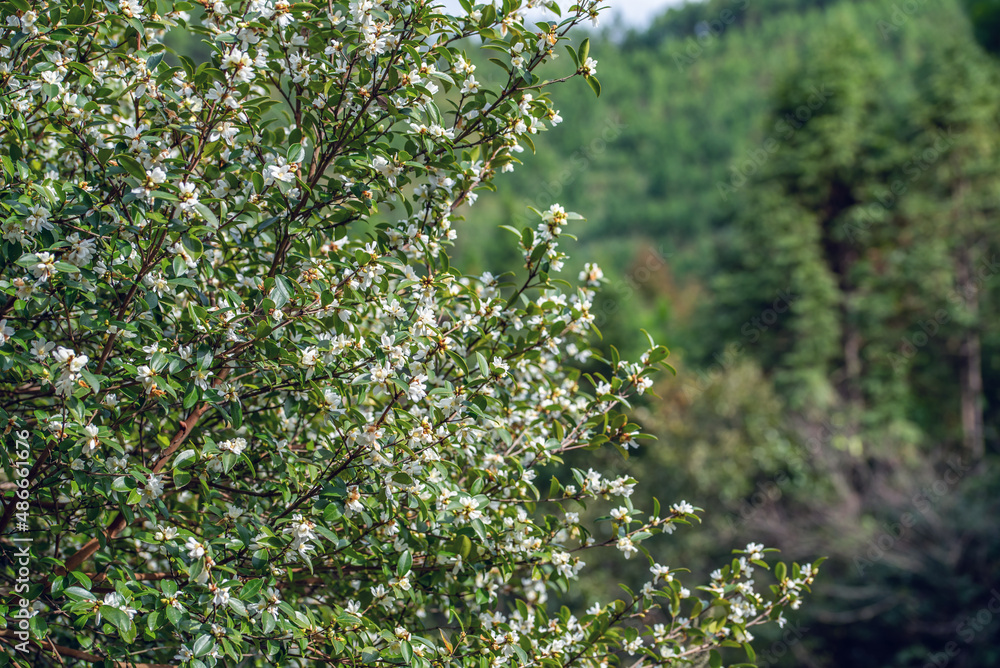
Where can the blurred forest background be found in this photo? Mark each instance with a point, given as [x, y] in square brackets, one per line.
[802, 199]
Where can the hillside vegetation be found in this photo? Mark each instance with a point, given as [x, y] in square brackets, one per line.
[800, 199]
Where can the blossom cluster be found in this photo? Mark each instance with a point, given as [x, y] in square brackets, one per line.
[271, 423]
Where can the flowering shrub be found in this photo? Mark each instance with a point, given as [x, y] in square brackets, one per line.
[253, 415]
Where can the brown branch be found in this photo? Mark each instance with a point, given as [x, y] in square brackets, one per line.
[60, 651]
[119, 523]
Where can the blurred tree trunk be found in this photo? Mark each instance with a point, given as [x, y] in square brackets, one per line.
[971, 360]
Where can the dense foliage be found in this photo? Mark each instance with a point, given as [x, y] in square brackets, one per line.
[801, 198]
[254, 416]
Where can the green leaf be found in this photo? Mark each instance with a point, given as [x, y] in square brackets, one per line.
[207, 214]
[480, 529]
[251, 589]
[122, 484]
[79, 593]
[203, 645]
[132, 166]
[186, 458]
[154, 60]
[594, 84]
[116, 617]
[295, 153]
[181, 478]
[404, 564]
[191, 396]
[281, 293]
[195, 569]
[572, 54]
[174, 615]
[236, 411]
[554, 488]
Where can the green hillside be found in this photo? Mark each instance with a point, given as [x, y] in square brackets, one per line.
[801, 200]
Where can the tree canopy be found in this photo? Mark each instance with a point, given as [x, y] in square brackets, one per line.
[255, 415]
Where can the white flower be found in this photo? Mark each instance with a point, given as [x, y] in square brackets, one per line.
[240, 62]
[37, 220]
[115, 600]
[417, 389]
[195, 549]
[81, 250]
[73, 362]
[309, 357]
[353, 502]
[147, 377]
[184, 654]
[301, 530]
[44, 267]
[500, 367]
[40, 348]
[154, 177]
[222, 95]
[7, 332]
[620, 513]
[200, 377]
[92, 441]
[683, 508]
[592, 274]
[164, 534]
[236, 445]
[468, 510]
[279, 171]
[755, 551]
[661, 573]
[220, 596]
[389, 169]
[130, 8]
[188, 196]
[470, 86]
[152, 490]
[626, 547]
